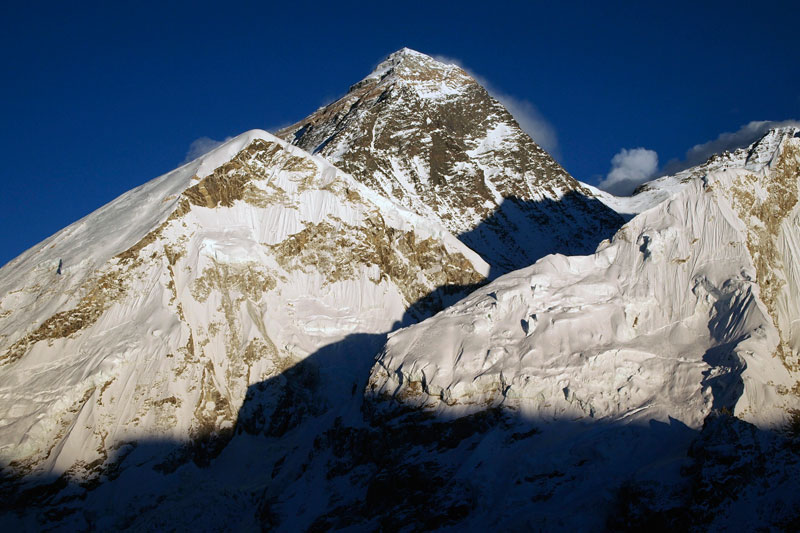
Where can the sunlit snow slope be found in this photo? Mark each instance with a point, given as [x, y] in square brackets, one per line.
[694, 305]
[149, 318]
[200, 352]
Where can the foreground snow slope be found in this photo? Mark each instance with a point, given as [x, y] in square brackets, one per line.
[151, 317]
[427, 135]
[692, 306]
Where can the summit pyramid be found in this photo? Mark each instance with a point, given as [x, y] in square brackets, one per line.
[431, 138]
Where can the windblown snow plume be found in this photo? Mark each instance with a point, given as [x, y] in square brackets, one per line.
[524, 112]
[728, 142]
[201, 147]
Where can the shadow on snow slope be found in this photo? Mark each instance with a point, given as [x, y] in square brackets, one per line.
[363, 465]
[311, 453]
[521, 232]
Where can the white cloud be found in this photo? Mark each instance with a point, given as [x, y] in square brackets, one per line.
[629, 169]
[524, 112]
[744, 136]
[201, 146]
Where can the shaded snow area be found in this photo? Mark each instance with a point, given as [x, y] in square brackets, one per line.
[265, 339]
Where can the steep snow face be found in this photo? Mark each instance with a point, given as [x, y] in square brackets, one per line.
[431, 138]
[693, 306]
[150, 318]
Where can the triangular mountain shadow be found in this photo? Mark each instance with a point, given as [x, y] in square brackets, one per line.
[520, 232]
[310, 452]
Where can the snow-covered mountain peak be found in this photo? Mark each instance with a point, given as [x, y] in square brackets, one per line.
[755, 156]
[126, 220]
[403, 57]
[419, 72]
[685, 321]
[213, 277]
[768, 148]
[726, 242]
[202, 350]
[431, 138]
[211, 160]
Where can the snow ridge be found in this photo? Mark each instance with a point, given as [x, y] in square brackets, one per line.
[678, 283]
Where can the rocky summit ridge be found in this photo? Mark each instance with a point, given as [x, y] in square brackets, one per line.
[431, 138]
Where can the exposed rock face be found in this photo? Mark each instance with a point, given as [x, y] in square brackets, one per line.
[258, 255]
[769, 208]
[431, 138]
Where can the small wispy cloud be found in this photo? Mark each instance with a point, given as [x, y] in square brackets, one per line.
[744, 136]
[629, 169]
[530, 120]
[201, 147]
[524, 112]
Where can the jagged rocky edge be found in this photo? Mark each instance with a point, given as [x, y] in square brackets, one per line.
[652, 193]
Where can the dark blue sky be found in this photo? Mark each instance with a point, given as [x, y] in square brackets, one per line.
[96, 100]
